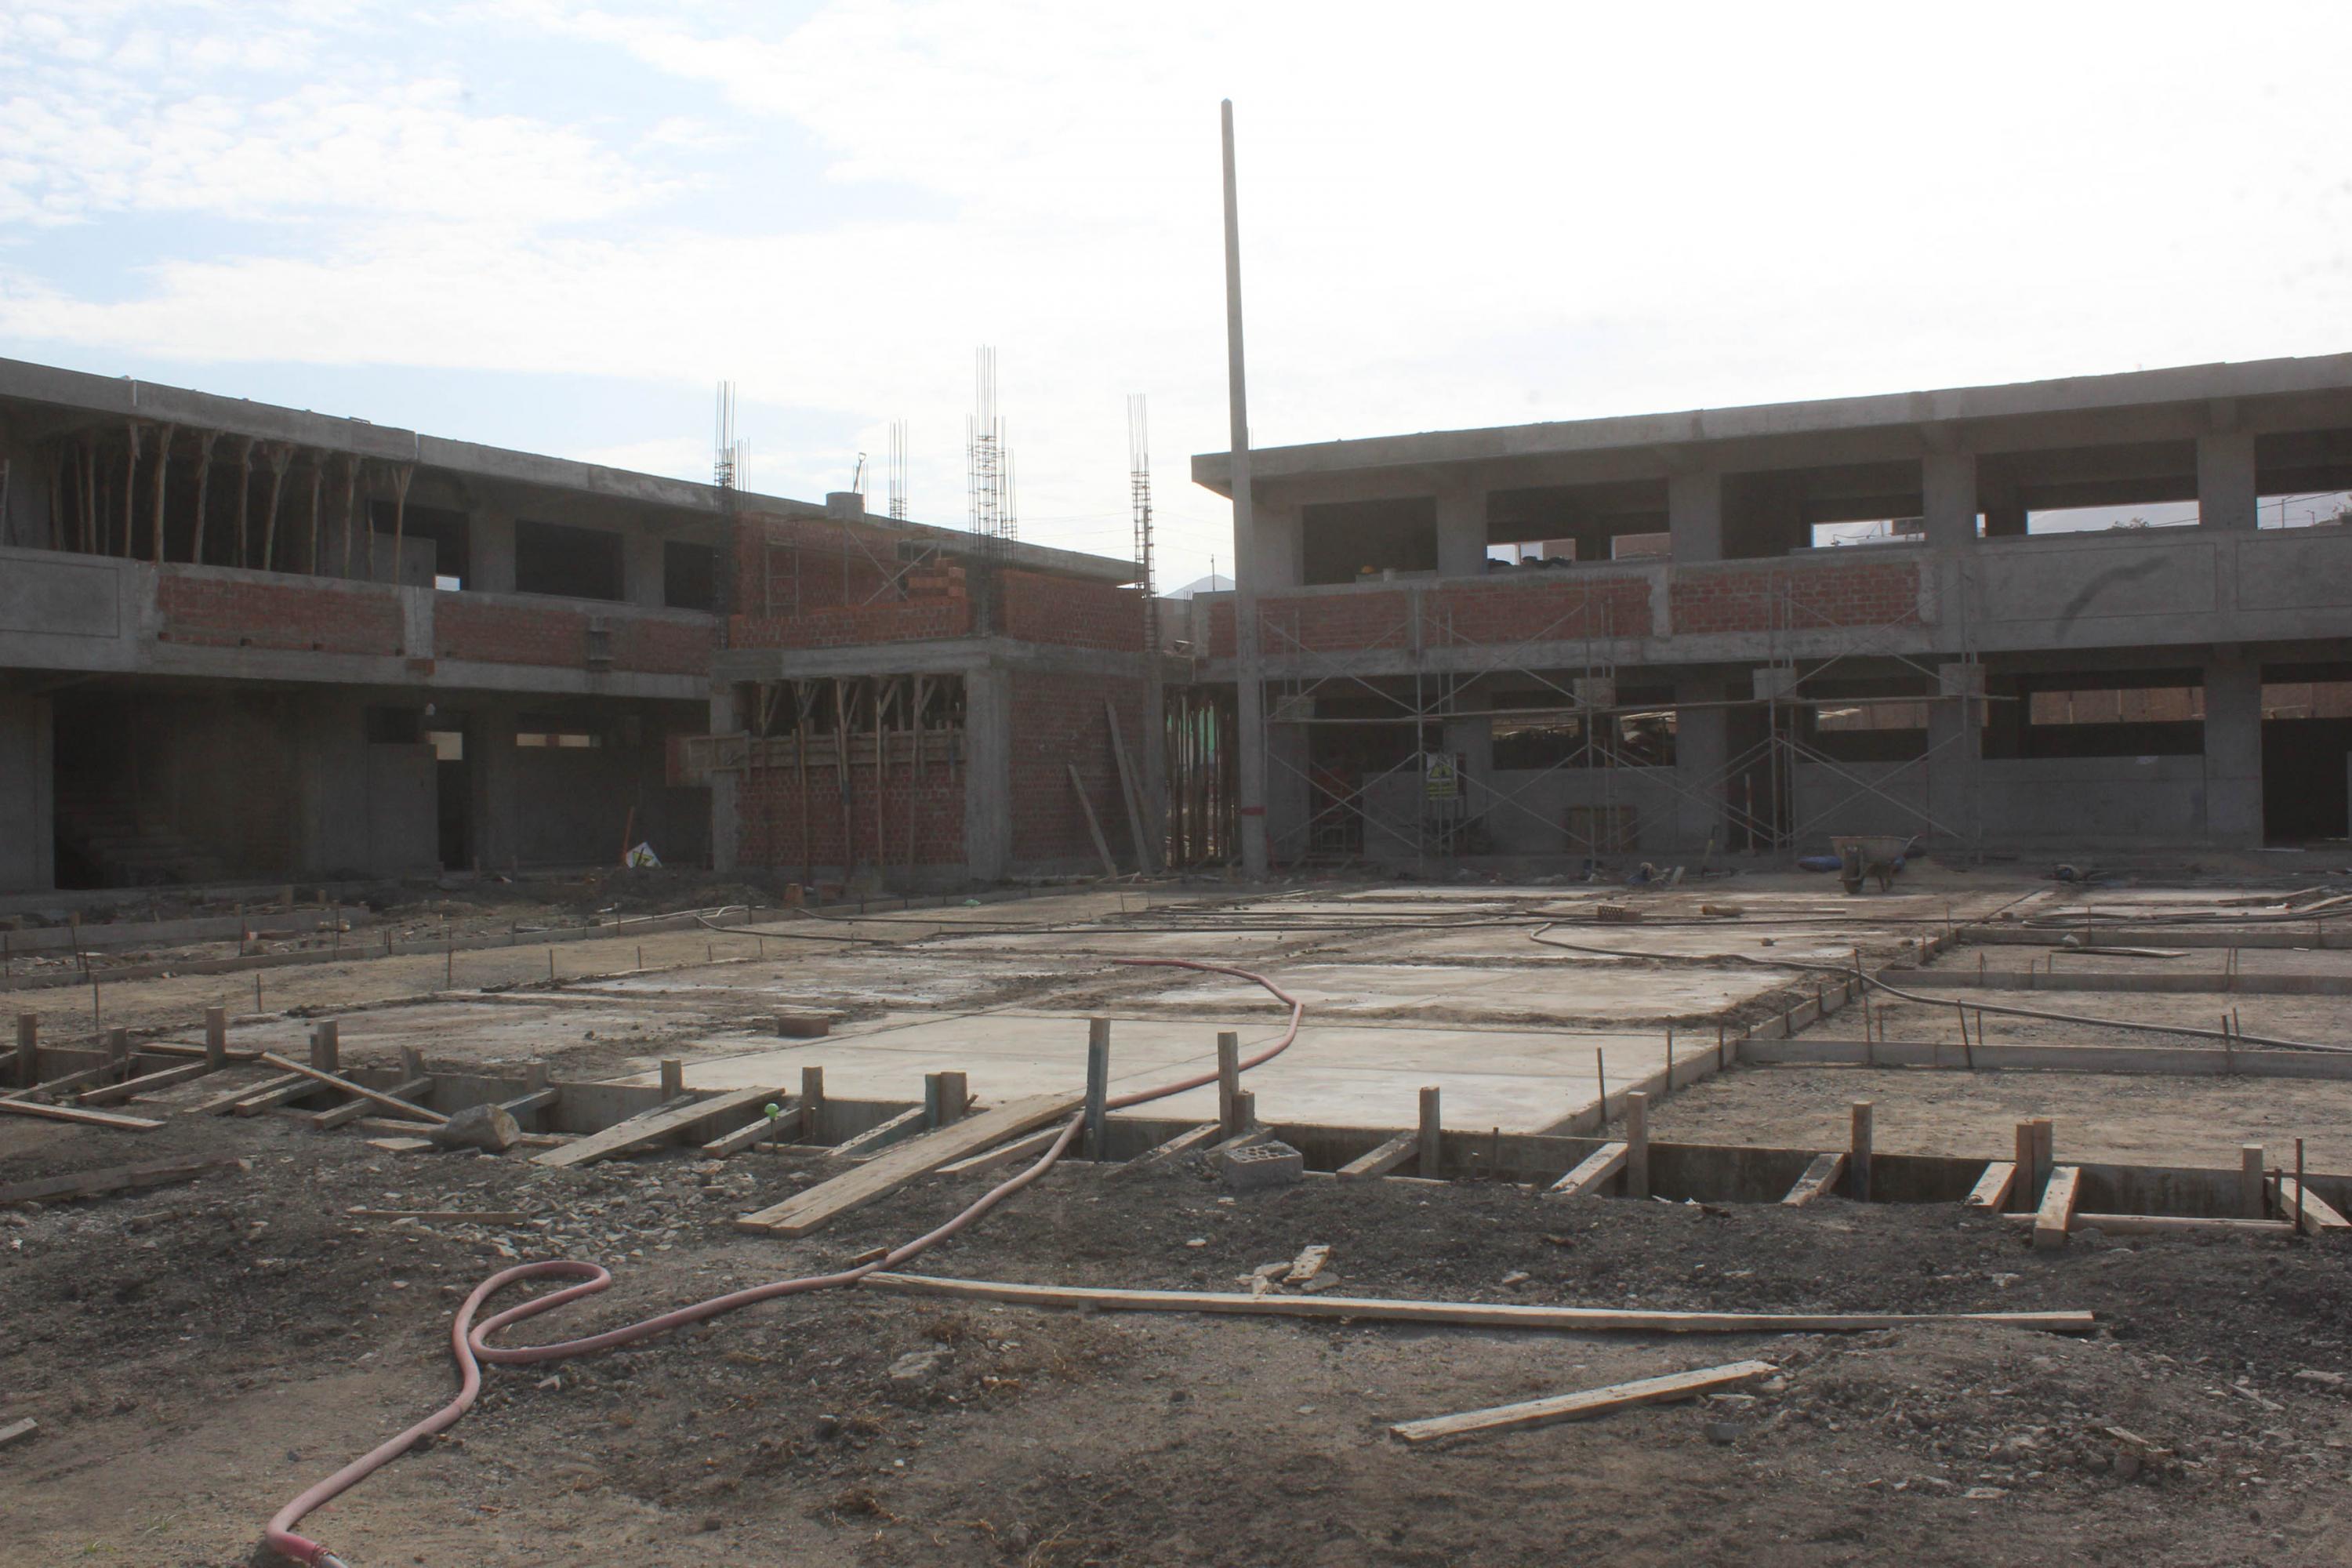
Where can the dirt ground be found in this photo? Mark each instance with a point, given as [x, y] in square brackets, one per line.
[197, 1355]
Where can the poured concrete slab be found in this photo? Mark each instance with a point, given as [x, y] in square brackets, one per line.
[1599, 994]
[1336, 1075]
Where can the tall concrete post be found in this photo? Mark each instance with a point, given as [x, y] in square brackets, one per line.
[1955, 751]
[725, 801]
[1947, 484]
[2233, 750]
[2225, 482]
[1695, 515]
[988, 774]
[1461, 525]
[1701, 749]
[1249, 685]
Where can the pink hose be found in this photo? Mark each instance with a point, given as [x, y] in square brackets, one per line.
[469, 1342]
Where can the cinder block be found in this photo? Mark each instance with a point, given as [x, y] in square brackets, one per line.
[1261, 1166]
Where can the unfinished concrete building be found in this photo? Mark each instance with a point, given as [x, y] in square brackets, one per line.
[1631, 636]
[246, 642]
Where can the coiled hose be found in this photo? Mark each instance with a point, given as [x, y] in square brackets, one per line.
[469, 1342]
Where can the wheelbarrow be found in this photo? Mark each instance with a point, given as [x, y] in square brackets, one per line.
[1878, 855]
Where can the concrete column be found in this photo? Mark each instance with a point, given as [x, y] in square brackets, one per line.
[498, 796]
[2234, 751]
[491, 551]
[2225, 482]
[1278, 555]
[1702, 747]
[1287, 795]
[27, 802]
[1947, 484]
[1695, 516]
[641, 568]
[988, 774]
[1471, 736]
[2004, 509]
[1955, 754]
[1460, 524]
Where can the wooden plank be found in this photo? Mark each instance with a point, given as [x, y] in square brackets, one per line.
[1145, 860]
[894, 1168]
[2319, 1216]
[398, 1124]
[1397, 1153]
[1003, 1153]
[1991, 1190]
[86, 1184]
[537, 1099]
[352, 1110]
[284, 1064]
[17, 1431]
[2057, 1211]
[164, 1078]
[2165, 1225]
[650, 1127]
[1102, 845]
[222, 1105]
[1819, 1177]
[1597, 1167]
[880, 1136]
[283, 1091]
[1474, 1314]
[785, 1123]
[1183, 1144]
[1586, 1402]
[114, 1119]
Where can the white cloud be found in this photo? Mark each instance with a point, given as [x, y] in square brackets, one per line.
[1485, 214]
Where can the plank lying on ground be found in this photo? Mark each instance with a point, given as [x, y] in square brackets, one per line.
[903, 1162]
[164, 1078]
[1003, 1154]
[16, 1431]
[651, 1126]
[278, 1092]
[86, 1184]
[399, 1125]
[1597, 1167]
[1475, 1314]
[879, 1136]
[1585, 1402]
[114, 1119]
[1819, 1177]
[1993, 1188]
[471, 1216]
[388, 1101]
[2057, 1211]
[1397, 1151]
[2166, 1224]
[1183, 1144]
[221, 1105]
[2319, 1216]
[785, 1123]
[352, 1110]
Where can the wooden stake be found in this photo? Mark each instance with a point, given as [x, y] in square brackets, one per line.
[812, 1101]
[2252, 1159]
[326, 1046]
[1601, 1075]
[1637, 1145]
[1098, 1084]
[673, 1078]
[1432, 1157]
[28, 1050]
[1229, 1082]
[1858, 1160]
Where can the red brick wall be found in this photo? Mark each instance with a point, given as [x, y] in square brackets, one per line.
[780, 829]
[884, 621]
[1733, 598]
[1072, 611]
[1474, 613]
[781, 567]
[557, 635]
[1058, 722]
[258, 612]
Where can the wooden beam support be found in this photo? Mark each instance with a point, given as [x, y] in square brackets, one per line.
[2056, 1214]
[162, 1079]
[274, 1090]
[2319, 1217]
[1183, 1144]
[1819, 1177]
[1585, 1402]
[1004, 1154]
[352, 1110]
[390, 1103]
[1102, 847]
[785, 1123]
[894, 1168]
[1990, 1193]
[662, 1121]
[1392, 1155]
[114, 1120]
[881, 1135]
[1595, 1169]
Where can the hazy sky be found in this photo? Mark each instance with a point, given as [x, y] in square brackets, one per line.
[556, 226]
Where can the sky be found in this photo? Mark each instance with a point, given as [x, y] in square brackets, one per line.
[556, 226]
